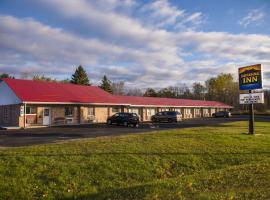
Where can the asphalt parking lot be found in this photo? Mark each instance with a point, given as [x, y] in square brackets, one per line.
[16, 138]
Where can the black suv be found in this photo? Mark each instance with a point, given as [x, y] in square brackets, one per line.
[167, 116]
[222, 114]
[124, 118]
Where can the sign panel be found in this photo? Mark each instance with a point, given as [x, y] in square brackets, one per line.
[252, 98]
[250, 77]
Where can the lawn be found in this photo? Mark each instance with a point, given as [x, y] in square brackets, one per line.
[193, 163]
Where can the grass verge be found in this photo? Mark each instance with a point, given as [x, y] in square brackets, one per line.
[193, 163]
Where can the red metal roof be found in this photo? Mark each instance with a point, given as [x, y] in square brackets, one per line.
[155, 101]
[40, 91]
[46, 92]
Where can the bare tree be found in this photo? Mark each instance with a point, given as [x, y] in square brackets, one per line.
[43, 78]
[26, 75]
[198, 91]
[134, 92]
[118, 88]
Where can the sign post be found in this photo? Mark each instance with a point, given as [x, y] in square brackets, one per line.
[251, 117]
[250, 78]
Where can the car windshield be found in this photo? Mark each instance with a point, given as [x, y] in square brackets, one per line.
[171, 113]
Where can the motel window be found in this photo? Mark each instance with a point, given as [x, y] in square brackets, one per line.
[90, 111]
[134, 110]
[164, 109]
[115, 109]
[205, 111]
[150, 111]
[68, 111]
[31, 110]
[197, 111]
[177, 110]
[187, 111]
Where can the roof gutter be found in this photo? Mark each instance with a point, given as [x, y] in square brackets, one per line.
[73, 103]
[118, 104]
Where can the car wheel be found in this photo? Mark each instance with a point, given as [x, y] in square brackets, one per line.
[136, 125]
[109, 122]
[125, 124]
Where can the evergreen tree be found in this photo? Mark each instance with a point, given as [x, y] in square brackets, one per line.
[150, 92]
[106, 84]
[4, 75]
[80, 77]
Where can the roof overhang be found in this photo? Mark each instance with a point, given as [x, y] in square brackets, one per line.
[73, 103]
[120, 104]
[181, 106]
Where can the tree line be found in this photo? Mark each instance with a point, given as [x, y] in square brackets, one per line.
[221, 88]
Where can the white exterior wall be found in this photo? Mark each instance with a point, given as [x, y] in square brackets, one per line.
[7, 96]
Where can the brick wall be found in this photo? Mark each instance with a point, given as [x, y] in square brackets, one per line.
[101, 114]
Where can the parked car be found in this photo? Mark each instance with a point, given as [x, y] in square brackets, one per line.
[167, 116]
[125, 119]
[222, 114]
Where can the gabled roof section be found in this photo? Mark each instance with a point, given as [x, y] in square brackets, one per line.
[40, 91]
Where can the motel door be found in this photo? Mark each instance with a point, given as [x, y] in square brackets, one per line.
[46, 116]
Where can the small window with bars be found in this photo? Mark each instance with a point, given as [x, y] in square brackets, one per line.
[90, 111]
[68, 111]
[31, 110]
[115, 109]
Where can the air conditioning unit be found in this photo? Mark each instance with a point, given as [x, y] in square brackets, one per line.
[91, 118]
[69, 120]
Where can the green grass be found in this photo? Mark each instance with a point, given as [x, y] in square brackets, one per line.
[193, 163]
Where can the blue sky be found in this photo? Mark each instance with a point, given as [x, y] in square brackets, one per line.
[144, 43]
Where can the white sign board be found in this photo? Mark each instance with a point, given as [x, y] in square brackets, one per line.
[252, 98]
[22, 111]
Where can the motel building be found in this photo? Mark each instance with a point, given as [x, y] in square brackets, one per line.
[27, 103]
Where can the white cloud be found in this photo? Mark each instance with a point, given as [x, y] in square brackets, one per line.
[123, 46]
[223, 45]
[42, 48]
[161, 13]
[254, 16]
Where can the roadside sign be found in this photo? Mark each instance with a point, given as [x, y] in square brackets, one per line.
[250, 77]
[252, 98]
